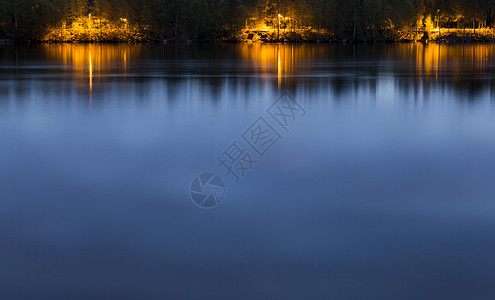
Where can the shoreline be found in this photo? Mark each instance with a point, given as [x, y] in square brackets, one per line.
[445, 38]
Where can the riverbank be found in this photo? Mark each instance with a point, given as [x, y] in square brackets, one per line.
[443, 36]
[453, 36]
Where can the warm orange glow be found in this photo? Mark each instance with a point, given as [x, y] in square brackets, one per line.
[88, 62]
[274, 27]
[279, 67]
[93, 29]
[276, 61]
[90, 81]
[283, 64]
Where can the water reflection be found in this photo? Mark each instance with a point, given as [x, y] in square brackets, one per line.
[90, 81]
[366, 194]
[465, 71]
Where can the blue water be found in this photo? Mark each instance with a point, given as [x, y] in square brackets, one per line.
[383, 190]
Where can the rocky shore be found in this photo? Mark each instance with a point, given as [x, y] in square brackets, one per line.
[460, 39]
[309, 36]
[447, 37]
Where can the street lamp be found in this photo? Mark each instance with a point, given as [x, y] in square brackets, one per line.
[125, 22]
[89, 26]
[278, 27]
[125, 26]
[438, 21]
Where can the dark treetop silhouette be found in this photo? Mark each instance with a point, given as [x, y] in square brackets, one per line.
[122, 20]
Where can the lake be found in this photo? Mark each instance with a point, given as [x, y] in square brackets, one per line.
[367, 171]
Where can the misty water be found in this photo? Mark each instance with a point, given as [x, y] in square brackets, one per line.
[384, 189]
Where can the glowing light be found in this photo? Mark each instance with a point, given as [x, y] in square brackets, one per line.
[279, 67]
[275, 61]
[85, 30]
[90, 81]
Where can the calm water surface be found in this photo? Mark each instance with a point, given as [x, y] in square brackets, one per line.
[384, 190]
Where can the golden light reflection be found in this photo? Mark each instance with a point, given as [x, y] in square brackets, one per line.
[285, 64]
[433, 58]
[88, 62]
[102, 55]
[90, 82]
[274, 60]
[279, 68]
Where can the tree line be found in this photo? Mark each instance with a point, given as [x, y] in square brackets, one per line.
[209, 19]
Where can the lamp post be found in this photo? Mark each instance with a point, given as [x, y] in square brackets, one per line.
[438, 21]
[125, 25]
[89, 26]
[278, 27]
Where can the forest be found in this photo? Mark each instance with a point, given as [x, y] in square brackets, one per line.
[148, 20]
